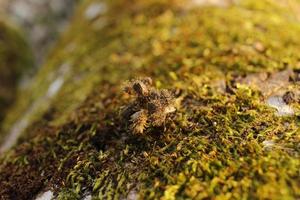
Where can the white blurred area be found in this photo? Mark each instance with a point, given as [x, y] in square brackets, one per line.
[41, 20]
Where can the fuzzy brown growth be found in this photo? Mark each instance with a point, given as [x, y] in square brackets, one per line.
[289, 97]
[150, 107]
[138, 122]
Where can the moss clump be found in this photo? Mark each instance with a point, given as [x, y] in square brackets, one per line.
[150, 107]
[15, 59]
[223, 142]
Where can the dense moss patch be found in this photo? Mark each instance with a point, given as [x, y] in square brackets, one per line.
[222, 142]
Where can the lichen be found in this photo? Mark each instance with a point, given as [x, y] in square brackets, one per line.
[213, 146]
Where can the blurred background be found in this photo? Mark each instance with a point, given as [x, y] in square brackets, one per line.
[41, 20]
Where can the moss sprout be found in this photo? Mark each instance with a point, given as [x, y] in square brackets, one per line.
[150, 106]
[289, 97]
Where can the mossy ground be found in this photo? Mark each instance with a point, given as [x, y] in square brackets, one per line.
[212, 147]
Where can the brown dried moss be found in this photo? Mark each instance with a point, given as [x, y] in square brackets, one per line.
[150, 107]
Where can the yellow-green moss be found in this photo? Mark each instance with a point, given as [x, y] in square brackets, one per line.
[211, 148]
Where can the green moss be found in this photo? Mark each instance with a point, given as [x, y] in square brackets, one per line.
[212, 147]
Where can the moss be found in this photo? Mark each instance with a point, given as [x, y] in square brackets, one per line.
[212, 147]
